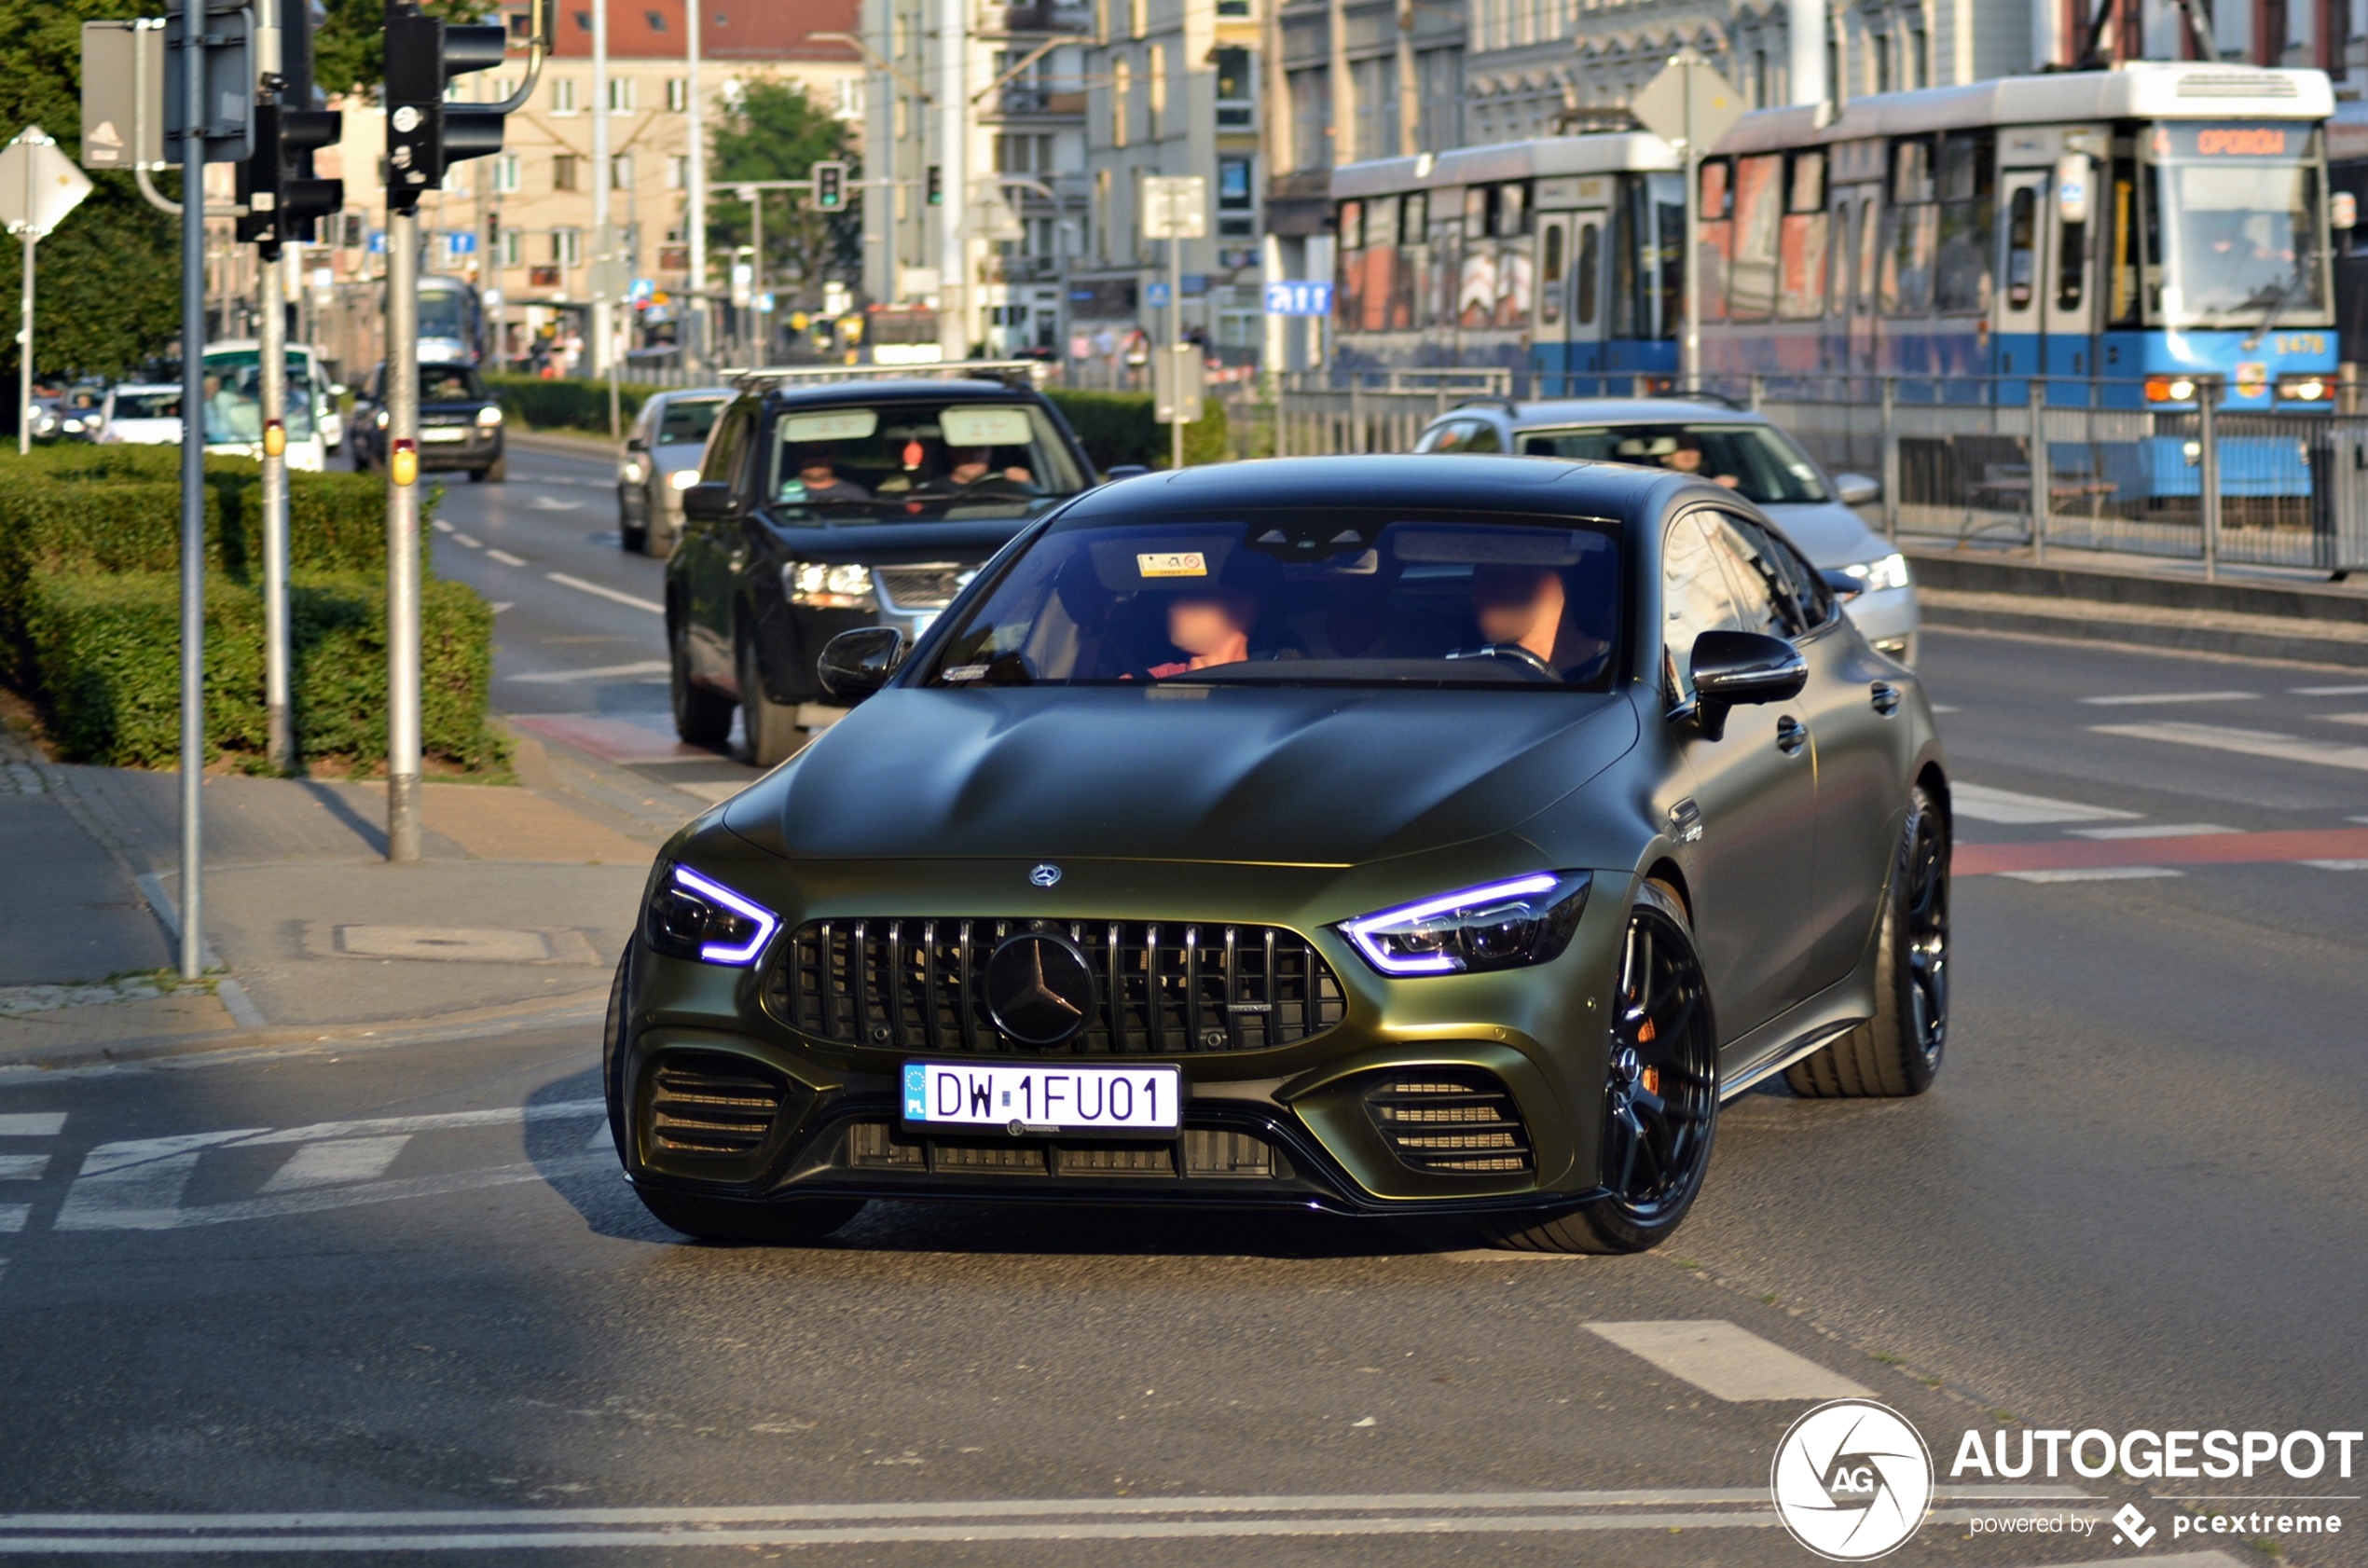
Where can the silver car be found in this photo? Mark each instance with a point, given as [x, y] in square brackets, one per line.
[1749, 454]
[661, 460]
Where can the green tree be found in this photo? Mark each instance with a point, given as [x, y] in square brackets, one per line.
[776, 131]
[110, 277]
[350, 48]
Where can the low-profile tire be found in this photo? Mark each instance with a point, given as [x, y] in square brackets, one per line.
[1660, 1094]
[1897, 1051]
[477, 476]
[738, 1222]
[632, 538]
[701, 717]
[768, 730]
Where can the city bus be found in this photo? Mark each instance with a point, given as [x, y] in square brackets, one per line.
[1559, 260]
[2121, 233]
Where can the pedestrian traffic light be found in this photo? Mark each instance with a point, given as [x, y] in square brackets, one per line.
[830, 187]
[283, 200]
[426, 136]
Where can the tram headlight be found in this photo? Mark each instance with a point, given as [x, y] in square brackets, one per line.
[2307, 388]
[2170, 389]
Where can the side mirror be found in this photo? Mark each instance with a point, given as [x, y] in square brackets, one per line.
[1123, 471]
[1841, 585]
[713, 502]
[1856, 490]
[856, 663]
[1731, 669]
[635, 444]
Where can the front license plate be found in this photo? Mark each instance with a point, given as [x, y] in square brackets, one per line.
[1040, 1098]
[444, 432]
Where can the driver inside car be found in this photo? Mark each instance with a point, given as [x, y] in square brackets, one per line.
[1528, 608]
[1210, 628]
[973, 468]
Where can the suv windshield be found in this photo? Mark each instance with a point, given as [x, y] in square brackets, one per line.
[1758, 462]
[450, 383]
[234, 399]
[1298, 598]
[892, 462]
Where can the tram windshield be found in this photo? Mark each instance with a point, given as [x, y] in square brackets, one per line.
[2233, 226]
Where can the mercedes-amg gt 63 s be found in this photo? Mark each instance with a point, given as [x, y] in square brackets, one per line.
[1371, 834]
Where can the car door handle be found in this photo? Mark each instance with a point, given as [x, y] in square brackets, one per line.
[1790, 735]
[1886, 699]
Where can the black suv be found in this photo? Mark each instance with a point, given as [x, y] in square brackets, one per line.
[459, 423]
[825, 508]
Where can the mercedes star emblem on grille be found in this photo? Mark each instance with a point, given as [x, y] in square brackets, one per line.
[1039, 988]
[1045, 875]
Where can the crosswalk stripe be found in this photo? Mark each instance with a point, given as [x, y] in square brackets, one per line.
[22, 1167]
[1726, 1360]
[343, 1160]
[2152, 830]
[2249, 743]
[1985, 804]
[2091, 873]
[33, 1124]
[13, 1217]
[2150, 699]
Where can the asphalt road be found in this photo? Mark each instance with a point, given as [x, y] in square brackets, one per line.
[393, 1296]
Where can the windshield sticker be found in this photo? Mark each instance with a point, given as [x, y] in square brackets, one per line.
[842, 424]
[1172, 563]
[984, 427]
[967, 672]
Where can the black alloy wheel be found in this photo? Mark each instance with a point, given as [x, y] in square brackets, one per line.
[1898, 1052]
[1660, 1111]
[701, 717]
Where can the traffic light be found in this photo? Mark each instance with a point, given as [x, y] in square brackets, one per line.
[275, 185]
[426, 136]
[830, 187]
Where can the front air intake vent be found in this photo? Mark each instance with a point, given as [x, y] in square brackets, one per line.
[1450, 1122]
[708, 1104]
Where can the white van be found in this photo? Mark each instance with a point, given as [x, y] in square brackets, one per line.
[234, 408]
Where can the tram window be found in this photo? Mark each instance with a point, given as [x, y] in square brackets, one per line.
[1911, 169]
[2122, 301]
[1808, 194]
[1968, 215]
[1351, 226]
[1751, 283]
[2022, 248]
[1910, 236]
[1475, 212]
[1416, 226]
[1590, 267]
[1713, 244]
[1512, 210]
[1869, 256]
[1841, 258]
[1549, 277]
[1800, 247]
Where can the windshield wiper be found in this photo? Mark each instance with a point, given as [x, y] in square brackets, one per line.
[2302, 266]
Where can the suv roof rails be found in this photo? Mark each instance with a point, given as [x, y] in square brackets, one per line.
[1010, 372]
[1674, 394]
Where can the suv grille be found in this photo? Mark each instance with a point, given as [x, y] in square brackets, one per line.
[918, 587]
[1450, 1124]
[918, 984]
[714, 1103]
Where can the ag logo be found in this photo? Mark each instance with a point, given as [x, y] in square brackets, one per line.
[1851, 1480]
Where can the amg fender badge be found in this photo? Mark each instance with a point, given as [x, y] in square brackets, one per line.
[1686, 821]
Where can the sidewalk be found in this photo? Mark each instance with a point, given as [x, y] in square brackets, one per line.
[516, 912]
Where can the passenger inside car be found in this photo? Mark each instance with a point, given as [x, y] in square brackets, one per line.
[818, 472]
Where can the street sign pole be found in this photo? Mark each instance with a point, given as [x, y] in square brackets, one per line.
[1689, 360]
[24, 328]
[1175, 344]
[192, 82]
[1690, 106]
[403, 534]
[272, 341]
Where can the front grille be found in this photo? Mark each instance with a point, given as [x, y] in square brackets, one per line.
[1201, 1151]
[919, 985]
[918, 587]
[712, 1103]
[1450, 1124]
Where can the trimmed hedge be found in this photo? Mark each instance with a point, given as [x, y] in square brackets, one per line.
[566, 402]
[1117, 427]
[106, 652]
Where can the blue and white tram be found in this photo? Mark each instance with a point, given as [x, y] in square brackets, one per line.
[2126, 232]
[1559, 260]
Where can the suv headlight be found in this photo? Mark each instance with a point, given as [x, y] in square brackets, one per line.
[1887, 571]
[695, 916]
[828, 587]
[1501, 926]
[488, 416]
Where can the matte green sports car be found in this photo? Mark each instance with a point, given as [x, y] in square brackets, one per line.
[1371, 834]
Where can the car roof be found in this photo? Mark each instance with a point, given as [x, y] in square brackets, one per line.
[1610, 410]
[902, 389]
[1468, 483]
[679, 394]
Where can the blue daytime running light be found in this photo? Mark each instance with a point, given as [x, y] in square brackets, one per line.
[718, 952]
[1494, 925]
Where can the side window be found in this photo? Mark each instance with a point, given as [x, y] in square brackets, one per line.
[1756, 579]
[1811, 603]
[1461, 435]
[1694, 599]
[722, 462]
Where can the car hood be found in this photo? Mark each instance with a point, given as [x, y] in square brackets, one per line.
[1828, 533]
[1299, 777]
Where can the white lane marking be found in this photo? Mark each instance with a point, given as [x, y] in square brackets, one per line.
[341, 1159]
[468, 541]
[580, 585]
[501, 604]
[1726, 1360]
[2344, 718]
[22, 1167]
[2149, 699]
[2335, 865]
[601, 672]
[1986, 804]
[440, 525]
[1946, 708]
[603, 1141]
[2249, 743]
[2092, 873]
[546, 504]
[320, 1200]
[13, 1217]
[2152, 830]
[504, 557]
[33, 1124]
[2329, 691]
[136, 1185]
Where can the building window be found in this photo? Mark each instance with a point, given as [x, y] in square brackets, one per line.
[1138, 16]
[1102, 215]
[563, 95]
[1235, 199]
[513, 248]
[1122, 85]
[566, 174]
[678, 171]
[678, 94]
[1919, 57]
[621, 95]
[851, 98]
[1234, 7]
[620, 172]
[505, 173]
[657, 21]
[1157, 127]
[1234, 91]
[566, 247]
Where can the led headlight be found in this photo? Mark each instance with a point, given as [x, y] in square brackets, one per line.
[382, 418]
[1502, 926]
[683, 479]
[1889, 571]
[630, 473]
[488, 416]
[695, 916]
[828, 587]
[2305, 389]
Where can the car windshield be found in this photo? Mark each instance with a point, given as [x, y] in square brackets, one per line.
[234, 400]
[1758, 462]
[916, 460]
[1311, 597]
[2233, 212]
[688, 418]
[163, 403]
[450, 383]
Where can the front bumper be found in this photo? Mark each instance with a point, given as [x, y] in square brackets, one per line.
[1889, 619]
[475, 447]
[1288, 1125]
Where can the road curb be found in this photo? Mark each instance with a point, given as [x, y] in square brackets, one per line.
[2096, 621]
[1960, 571]
[565, 443]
